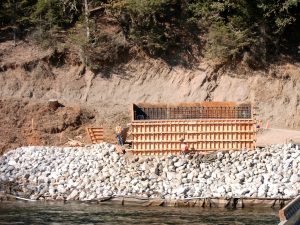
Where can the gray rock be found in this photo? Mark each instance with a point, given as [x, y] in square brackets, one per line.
[182, 190]
[97, 171]
[295, 178]
[82, 195]
[73, 195]
[290, 193]
[171, 175]
[10, 168]
[179, 163]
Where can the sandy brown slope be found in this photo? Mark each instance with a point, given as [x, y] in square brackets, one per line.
[275, 91]
[34, 123]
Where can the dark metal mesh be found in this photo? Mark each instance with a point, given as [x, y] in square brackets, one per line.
[238, 112]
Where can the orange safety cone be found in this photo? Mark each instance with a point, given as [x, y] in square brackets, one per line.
[267, 125]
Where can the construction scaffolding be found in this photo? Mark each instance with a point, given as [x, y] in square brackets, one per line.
[206, 127]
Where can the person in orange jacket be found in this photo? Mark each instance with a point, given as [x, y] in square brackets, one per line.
[118, 131]
[184, 146]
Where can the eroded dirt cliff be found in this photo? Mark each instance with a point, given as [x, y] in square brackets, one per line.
[28, 73]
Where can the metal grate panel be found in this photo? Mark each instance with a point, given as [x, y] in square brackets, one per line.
[192, 112]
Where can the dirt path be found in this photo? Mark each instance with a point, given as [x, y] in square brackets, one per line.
[277, 136]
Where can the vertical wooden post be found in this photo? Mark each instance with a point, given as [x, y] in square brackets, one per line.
[60, 138]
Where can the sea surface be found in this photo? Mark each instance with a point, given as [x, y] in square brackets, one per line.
[20, 212]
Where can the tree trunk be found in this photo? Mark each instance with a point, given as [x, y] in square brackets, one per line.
[263, 41]
[15, 24]
[86, 15]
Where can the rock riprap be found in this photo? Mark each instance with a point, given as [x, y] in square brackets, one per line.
[97, 171]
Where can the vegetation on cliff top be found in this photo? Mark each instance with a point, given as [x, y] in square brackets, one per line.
[253, 32]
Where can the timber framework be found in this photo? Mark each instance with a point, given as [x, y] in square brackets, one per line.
[205, 126]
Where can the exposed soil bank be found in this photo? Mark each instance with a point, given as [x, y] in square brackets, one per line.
[30, 73]
[25, 122]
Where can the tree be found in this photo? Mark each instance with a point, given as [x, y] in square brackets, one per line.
[225, 43]
[56, 13]
[221, 29]
[228, 27]
[15, 14]
[151, 24]
[277, 16]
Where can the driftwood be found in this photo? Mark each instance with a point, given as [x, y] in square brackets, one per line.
[21, 198]
[74, 143]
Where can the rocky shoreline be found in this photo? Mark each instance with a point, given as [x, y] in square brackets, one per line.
[97, 172]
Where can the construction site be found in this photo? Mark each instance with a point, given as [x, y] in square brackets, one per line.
[199, 138]
[111, 110]
[205, 127]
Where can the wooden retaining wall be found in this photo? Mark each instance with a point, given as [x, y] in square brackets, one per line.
[202, 135]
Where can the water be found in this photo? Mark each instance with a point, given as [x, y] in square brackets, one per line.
[54, 213]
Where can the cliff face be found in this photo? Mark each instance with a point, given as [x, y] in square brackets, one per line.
[31, 73]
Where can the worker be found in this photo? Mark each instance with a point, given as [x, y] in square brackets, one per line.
[184, 146]
[259, 124]
[118, 131]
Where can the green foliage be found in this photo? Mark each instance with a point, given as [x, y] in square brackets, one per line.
[258, 28]
[150, 23]
[39, 16]
[222, 30]
[16, 12]
[145, 7]
[51, 13]
[105, 51]
[279, 14]
[78, 36]
[223, 42]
